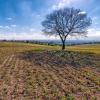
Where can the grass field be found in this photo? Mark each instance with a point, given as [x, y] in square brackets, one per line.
[93, 48]
[41, 72]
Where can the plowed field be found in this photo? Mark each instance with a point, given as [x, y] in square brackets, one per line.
[26, 74]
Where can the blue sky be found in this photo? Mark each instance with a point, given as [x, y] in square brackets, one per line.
[21, 19]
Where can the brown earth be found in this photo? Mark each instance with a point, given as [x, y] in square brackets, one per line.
[50, 75]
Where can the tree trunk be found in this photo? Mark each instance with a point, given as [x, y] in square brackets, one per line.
[63, 45]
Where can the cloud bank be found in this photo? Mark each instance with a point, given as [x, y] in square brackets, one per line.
[21, 19]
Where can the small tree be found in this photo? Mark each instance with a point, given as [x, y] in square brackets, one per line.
[65, 22]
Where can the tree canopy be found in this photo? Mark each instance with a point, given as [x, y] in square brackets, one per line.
[65, 22]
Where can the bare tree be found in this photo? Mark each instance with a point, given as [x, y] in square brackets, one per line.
[65, 22]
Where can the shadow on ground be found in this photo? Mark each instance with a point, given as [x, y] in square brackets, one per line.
[62, 58]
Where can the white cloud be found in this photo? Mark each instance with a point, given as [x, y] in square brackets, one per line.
[92, 32]
[1, 26]
[13, 25]
[33, 35]
[9, 18]
[82, 12]
[32, 29]
[36, 15]
[63, 3]
[96, 21]
[6, 27]
[68, 3]
[24, 36]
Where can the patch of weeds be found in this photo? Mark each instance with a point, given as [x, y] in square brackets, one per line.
[39, 50]
[69, 97]
[63, 98]
[94, 98]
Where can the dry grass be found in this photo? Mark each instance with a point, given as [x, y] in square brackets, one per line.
[93, 48]
[31, 72]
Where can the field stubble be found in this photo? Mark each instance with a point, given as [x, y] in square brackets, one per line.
[48, 75]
